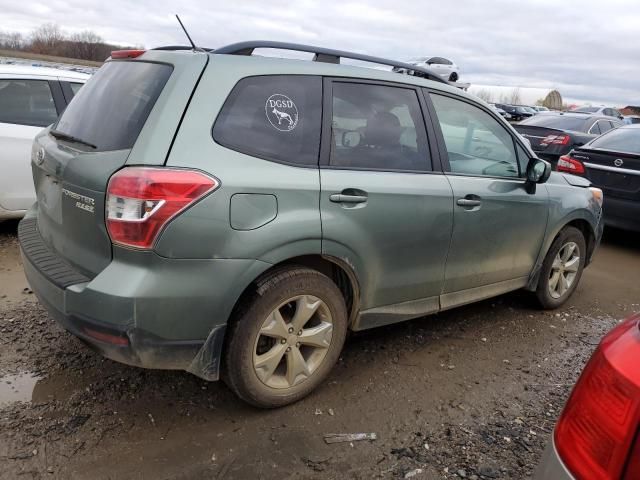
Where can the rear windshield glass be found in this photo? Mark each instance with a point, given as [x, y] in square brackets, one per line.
[111, 109]
[619, 140]
[557, 121]
[586, 109]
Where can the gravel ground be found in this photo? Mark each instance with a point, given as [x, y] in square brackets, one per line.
[470, 393]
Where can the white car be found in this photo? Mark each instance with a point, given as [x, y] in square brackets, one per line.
[602, 110]
[30, 98]
[440, 65]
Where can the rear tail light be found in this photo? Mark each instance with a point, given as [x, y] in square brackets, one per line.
[126, 53]
[142, 200]
[632, 471]
[571, 165]
[561, 139]
[598, 425]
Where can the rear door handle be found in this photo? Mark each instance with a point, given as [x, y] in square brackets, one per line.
[342, 198]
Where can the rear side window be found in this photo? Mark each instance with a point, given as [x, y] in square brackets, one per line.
[377, 127]
[274, 117]
[112, 107]
[27, 102]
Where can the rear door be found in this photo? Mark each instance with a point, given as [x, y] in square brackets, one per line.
[498, 227]
[127, 112]
[26, 106]
[385, 208]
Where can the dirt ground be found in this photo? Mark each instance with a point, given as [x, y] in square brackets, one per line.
[470, 393]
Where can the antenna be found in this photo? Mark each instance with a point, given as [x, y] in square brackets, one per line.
[187, 34]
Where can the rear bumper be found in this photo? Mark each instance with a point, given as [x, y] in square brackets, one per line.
[551, 466]
[621, 213]
[143, 309]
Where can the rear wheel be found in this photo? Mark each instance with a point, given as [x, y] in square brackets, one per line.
[285, 341]
[562, 268]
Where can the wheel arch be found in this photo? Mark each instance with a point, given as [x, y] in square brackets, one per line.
[338, 270]
[583, 221]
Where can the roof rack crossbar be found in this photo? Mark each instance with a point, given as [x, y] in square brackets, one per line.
[326, 55]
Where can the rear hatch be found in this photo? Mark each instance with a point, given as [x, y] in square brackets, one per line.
[616, 173]
[127, 113]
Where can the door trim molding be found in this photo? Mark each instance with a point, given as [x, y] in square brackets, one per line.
[398, 312]
[464, 297]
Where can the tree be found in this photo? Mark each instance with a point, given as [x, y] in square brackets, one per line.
[86, 45]
[485, 95]
[47, 39]
[11, 40]
[514, 98]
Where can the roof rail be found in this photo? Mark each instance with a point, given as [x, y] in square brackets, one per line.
[326, 55]
[179, 47]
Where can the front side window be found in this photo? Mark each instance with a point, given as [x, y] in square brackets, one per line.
[275, 117]
[377, 127]
[27, 102]
[477, 144]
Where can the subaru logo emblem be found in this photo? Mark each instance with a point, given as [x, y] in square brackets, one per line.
[618, 162]
[40, 156]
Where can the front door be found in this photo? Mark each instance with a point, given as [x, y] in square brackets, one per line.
[498, 226]
[384, 210]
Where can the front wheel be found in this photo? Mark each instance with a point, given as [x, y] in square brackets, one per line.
[453, 77]
[562, 268]
[286, 339]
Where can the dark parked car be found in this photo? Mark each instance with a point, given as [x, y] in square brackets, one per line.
[612, 162]
[517, 112]
[555, 133]
[597, 435]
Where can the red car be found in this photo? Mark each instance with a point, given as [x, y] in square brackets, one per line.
[598, 434]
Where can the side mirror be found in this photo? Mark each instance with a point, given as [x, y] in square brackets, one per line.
[538, 171]
[350, 139]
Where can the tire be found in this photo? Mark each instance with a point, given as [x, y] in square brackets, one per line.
[453, 77]
[258, 336]
[551, 293]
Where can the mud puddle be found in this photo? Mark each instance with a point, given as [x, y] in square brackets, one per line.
[17, 387]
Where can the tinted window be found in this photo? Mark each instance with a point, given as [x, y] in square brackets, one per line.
[274, 117]
[562, 122]
[619, 140]
[595, 129]
[377, 127]
[112, 107]
[27, 102]
[605, 126]
[75, 87]
[477, 144]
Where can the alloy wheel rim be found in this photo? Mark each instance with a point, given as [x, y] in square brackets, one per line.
[293, 341]
[564, 269]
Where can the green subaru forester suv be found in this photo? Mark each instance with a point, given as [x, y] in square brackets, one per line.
[235, 215]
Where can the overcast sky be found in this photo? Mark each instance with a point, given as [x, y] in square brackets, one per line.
[587, 49]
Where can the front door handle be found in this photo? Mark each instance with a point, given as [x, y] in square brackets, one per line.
[467, 202]
[343, 198]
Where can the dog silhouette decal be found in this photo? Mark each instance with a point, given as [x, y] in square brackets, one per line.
[281, 112]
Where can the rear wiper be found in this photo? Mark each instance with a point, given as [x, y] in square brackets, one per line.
[70, 138]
